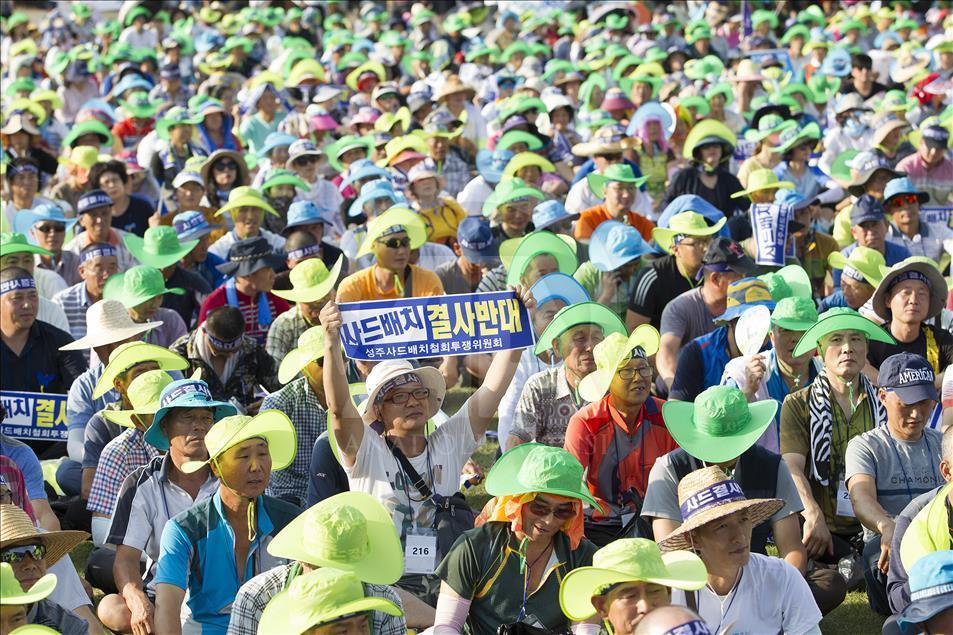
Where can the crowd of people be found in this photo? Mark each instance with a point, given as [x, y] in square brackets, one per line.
[728, 222]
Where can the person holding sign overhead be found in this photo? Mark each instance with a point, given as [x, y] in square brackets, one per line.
[400, 400]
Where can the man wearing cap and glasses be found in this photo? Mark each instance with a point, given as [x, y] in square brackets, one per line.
[930, 169]
[902, 200]
[219, 543]
[47, 226]
[153, 494]
[875, 461]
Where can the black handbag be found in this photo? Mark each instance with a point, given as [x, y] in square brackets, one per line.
[520, 628]
[453, 515]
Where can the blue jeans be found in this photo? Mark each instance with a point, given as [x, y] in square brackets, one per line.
[876, 580]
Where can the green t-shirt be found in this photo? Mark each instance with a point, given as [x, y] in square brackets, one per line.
[484, 566]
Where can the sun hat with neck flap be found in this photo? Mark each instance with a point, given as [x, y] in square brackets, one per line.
[628, 560]
[708, 495]
[131, 354]
[16, 529]
[351, 531]
[612, 353]
[184, 393]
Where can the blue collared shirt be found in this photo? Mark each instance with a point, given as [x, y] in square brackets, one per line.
[197, 554]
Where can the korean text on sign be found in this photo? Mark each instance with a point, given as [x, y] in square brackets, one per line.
[34, 415]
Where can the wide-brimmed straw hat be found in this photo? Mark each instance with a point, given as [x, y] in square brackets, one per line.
[606, 140]
[913, 268]
[707, 495]
[351, 531]
[628, 560]
[17, 529]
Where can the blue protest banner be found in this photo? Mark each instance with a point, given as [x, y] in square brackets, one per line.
[437, 326]
[34, 415]
[769, 226]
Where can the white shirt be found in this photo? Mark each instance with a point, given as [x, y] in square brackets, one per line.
[69, 592]
[146, 39]
[474, 195]
[771, 597]
[376, 471]
[48, 283]
[221, 246]
[53, 314]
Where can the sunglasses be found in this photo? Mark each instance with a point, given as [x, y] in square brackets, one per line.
[541, 510]
[420, 394]
[224, 166]
[49, 229]
[902, 200]
[13, 555]
[628, 373]
[306, 160]
[396, 243]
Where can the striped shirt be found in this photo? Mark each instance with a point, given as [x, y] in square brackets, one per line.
[75, 300]
[284, 333]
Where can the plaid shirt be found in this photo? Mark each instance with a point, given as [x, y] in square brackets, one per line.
[545, 407]
[310, 419]
[255, 594]
[284, 333]
[120, 457]
[454, 170]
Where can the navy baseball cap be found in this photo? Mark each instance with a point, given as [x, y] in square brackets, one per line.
[936, 137]
[910, 376]
[866, 208]
[476, 240]
[724, 254]
[92, 200]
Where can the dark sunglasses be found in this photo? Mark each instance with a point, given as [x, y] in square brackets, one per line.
[538, 509]
[396, 243]
[306, 160]
[48, 229]
[902, 200]
[223, 166]
[13, 555]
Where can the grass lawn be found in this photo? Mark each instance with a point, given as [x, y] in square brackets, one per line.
[851, 618]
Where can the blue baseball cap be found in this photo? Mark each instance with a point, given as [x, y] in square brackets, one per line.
[910, 376]
[93, 200]
[614, 244]
[903, 185]
[25, 220]
[490, 165]
[866, 208]
[305, 213]
[192, 225]
[559, 286]
[184, 393]
[476, 240]
[363, 169]
[549, 213]
[931, 590]
[795, 199]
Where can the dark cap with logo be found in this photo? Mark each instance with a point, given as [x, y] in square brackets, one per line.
[910, 376]
[724, 254]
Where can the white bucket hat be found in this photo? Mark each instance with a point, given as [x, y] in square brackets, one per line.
[108, 322]
[384, 372]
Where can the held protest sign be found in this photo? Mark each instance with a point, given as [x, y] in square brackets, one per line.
[936, 215]
[34, 415]
[437, 326]
[769, 226]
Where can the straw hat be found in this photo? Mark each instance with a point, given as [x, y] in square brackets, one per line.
[452, 86]
[606, 140]
[108, 322]
[707, 495]
[16, 529]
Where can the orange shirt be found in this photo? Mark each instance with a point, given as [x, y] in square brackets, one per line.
[594, 216]
[362, 286]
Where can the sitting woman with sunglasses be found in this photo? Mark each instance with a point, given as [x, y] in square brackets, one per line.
[508, 570]
[222, 172]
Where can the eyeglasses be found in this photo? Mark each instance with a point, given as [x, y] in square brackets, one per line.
[399, 398]
[13, 555]
[700, 244]
[560, 513]
[628, 373]
[224, 166]
[902, 200]
[396, 243]
[307, 159]
[49, 229]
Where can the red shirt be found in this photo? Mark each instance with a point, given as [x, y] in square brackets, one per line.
[598, 434]
[129, 134]
[595, 216]
[248, 308]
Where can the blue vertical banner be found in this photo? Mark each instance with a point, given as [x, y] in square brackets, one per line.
[437, 326]
[746, 18]
[769, 227]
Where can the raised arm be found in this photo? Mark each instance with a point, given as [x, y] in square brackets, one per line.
[346, 423]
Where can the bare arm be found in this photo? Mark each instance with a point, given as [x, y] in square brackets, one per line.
[44, 514]
[129, 583]
[863, 498]
[663, 527]
[168, 605]
[86, 614]
[633, 319]
[89, 473]
[787, 537]
[667, 358]
[816, 536]
[346, 423]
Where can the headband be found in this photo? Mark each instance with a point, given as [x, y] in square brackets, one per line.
[10, 286]
[910, 275]
[223, 345]
[401, 380]
[853, 274]
[694, 627]
[183, 226]
[716, 494]
[22, 168]
[193, 387]
[303, 252]
[95, 252]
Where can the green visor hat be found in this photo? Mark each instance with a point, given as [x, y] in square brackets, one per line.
[536, 244]
[614, 352]
[578, 315]
[541, 469]
[840, 319]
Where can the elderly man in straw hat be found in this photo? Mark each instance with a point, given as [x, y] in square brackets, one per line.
[214, 547]
[909, 297]
[818, 421]
[152, 494]
[349, 532]
[628, 579]
[619, 433]
[26, 554]
[747, 592]
[401, 399]
[457, 98]
[722, 429]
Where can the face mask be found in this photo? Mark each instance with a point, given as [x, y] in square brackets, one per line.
[823, 225]
[854, 128]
